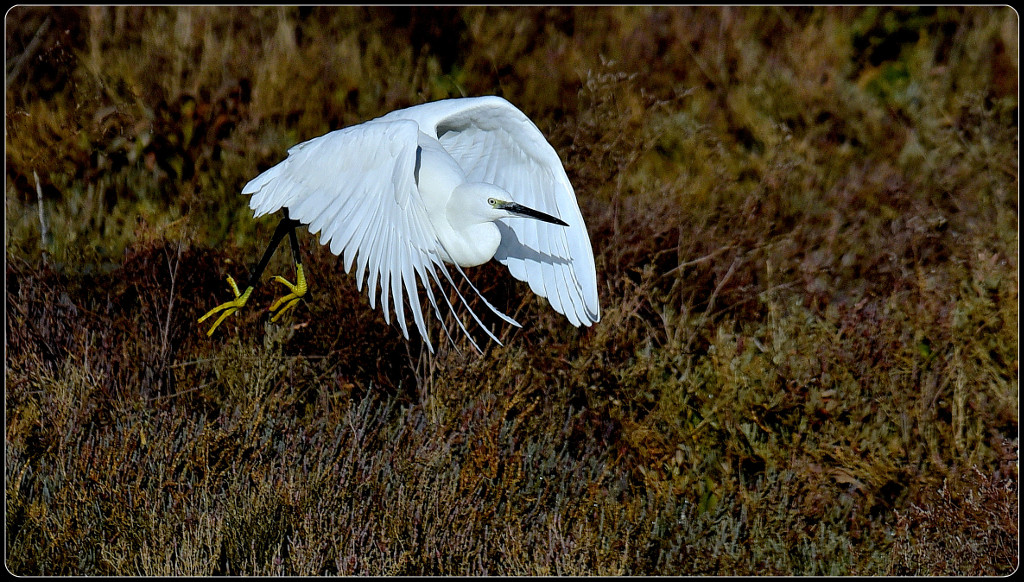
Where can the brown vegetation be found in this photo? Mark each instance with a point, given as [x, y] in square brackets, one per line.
[805, 227]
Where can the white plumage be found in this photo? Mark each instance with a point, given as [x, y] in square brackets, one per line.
[400, 196]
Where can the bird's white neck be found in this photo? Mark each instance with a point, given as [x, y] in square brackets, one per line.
[471, 245]
[455, 208]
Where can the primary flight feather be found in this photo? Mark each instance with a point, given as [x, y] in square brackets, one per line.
[454, 182]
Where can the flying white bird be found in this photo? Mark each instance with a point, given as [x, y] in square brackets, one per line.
[456, 182]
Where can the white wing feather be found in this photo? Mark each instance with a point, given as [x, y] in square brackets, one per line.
[363, 201]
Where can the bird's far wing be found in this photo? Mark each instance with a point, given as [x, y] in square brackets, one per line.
[356, 187]
[495, 142]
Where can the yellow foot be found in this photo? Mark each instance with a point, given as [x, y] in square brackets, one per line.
[298, 291]
[229, 307]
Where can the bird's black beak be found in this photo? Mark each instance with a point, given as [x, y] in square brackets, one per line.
[528, 212]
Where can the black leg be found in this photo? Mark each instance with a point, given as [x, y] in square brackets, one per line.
[296, 253]
[299, 289]
[285, 227]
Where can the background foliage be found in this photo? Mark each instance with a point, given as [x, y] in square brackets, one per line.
[805, 225]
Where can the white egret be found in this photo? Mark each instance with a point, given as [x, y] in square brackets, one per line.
[458, 182]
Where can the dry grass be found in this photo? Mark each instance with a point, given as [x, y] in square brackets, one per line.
[805, 225]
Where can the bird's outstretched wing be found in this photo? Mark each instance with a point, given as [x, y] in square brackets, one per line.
[495, 142]
[356, 187]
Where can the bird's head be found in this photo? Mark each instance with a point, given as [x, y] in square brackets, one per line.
[491, 203]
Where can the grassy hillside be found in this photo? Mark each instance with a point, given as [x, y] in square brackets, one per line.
[805, 224]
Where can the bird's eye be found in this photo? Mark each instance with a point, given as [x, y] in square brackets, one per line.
[492, 201]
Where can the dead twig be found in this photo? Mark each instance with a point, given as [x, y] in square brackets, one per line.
[705, 258]
[30, 50]
[43, 235]
[711, 302]
[173, 269]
